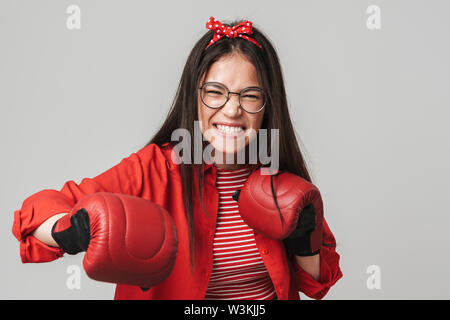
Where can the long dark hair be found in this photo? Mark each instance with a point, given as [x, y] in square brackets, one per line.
[183, 111]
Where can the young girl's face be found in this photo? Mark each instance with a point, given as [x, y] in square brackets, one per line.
[236, 72]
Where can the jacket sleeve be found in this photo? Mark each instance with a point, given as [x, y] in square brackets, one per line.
[127, 177]
[330, 271]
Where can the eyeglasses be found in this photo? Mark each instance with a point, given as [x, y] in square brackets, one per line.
[215, 94]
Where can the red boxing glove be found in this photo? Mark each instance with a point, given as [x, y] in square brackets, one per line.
[299, 218]
[127, 239]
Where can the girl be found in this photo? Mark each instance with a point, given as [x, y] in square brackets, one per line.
[231, 87]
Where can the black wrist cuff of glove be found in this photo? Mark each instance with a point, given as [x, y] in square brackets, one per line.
[300, 246]
[76, 238]
[299, 241]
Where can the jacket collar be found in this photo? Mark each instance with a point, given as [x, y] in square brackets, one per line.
[207, 166]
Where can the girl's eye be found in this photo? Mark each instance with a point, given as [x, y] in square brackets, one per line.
[214, 92]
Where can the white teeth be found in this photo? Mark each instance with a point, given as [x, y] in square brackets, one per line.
[228, 129]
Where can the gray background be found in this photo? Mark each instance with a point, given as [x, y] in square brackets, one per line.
[371, 108]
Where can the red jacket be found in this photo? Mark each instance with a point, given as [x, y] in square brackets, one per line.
[151, 174]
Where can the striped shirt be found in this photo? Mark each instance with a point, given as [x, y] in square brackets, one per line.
[238, 271]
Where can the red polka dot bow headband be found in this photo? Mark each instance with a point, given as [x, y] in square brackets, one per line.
[239, 30]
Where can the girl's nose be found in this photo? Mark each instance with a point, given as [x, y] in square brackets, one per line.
[231, 107]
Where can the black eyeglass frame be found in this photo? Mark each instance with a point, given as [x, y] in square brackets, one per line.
[238, 93]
